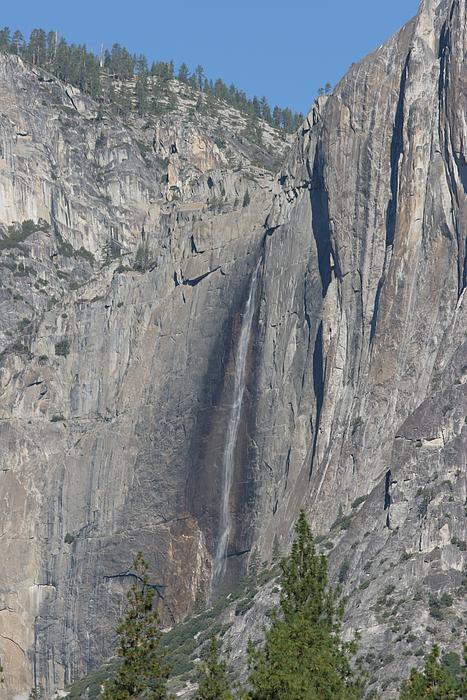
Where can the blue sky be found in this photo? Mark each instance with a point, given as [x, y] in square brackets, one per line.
[284, 50]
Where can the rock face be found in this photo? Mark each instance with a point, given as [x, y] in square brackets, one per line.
[118, 373]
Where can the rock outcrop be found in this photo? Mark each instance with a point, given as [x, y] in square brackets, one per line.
[121, 315]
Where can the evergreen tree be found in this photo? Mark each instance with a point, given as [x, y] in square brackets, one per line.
[142, 672]
[212, 678]
[304, 657]
[142, 258]
[435, 682]
[122, 101]
[18, 43]
[36, 50]
[141, 91]
[62, 61]
[120, 62]
[265, 110]
[5, 39]
[199, 73]
[200, 106]
[52, 42]
[107, 76]
[276, 550]
[277, 117]
[183, 73]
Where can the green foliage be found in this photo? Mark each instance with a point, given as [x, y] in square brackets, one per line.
[357, 423]
[141, 91]
[342, 522]
[212, 677]
[123, 81]
[358, 501]
[405, 556]
[253, 131]
[142, 257]
[422, 507]
[452, 663]
[62, 347]
[343, 571]
[18, 233]
[64, 248]
[304, 657]
[435, 682]
[86, 255]
[142, 672]
[461, 544]
[437, 606]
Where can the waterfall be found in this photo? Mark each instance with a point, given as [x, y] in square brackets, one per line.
[232, 430]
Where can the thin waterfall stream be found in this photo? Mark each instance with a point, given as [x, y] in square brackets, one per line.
[228, 461]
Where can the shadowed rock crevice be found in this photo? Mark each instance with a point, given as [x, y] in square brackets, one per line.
[320, 220]
[318, 385]
[397, 149]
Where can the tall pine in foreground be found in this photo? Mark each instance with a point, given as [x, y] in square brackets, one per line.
[142, 672]
[434, 682]
[304, 657]
[212, 678]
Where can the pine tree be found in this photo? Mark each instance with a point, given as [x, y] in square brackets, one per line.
[199, 73]
[183, 73]
[212, 679]
[18, 43]
[5, 42]
[142, 257]
[142, 672]
[435, 682]
[304, 657]
[276, 550]
[141, 91]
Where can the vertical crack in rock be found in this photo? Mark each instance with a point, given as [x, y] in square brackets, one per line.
[387, 496]
[318, 385]
[397, 149]
[320, 221]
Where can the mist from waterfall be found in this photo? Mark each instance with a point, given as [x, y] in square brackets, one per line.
[228, 461]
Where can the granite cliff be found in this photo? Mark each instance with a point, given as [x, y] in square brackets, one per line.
[194, 348]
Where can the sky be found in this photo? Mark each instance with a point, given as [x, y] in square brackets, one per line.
[283, 50]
